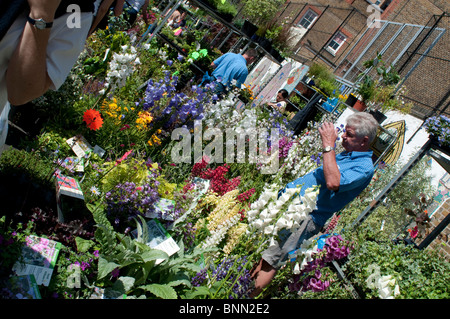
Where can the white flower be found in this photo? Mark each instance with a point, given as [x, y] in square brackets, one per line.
[296, 269]
[258, 224]
[269, 230]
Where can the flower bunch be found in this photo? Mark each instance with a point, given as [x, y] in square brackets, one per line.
[93, 119]
[245, 196]
[311, 259]
[114, 110]
[284, 145]
[128, 200]
[143, 120]
[234, 234]
[386, 285]
[174, 109]
[121, 67]
[232, 270]
[246, 94]
[272, 213]
[224, 216]
[218, 182]
[439, 128]
[303, 155]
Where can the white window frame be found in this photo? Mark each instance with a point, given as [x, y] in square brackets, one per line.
[333, 41]
[304, 18]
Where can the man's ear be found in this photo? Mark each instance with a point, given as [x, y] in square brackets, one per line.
[365, 141]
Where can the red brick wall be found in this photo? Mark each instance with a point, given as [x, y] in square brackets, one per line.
[441, 243]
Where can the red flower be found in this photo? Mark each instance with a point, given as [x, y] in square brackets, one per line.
[93, 119]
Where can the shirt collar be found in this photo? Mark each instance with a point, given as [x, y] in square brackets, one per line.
[355, 154]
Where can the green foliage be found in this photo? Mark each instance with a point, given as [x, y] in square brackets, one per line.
[134, 259]
[420, 274]
[323, 78]
[17, 162]
[390, 214]
[259, 11]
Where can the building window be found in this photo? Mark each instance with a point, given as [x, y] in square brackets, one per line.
[308, 19]
[382, 4]
[336, 42]
[385, 4]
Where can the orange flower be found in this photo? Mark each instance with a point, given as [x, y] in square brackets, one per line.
[93, 119]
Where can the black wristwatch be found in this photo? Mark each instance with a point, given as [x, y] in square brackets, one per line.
[40, 24]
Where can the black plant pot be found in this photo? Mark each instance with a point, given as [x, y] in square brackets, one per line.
[249, 28]
[265, 44]
[380, 117]
[276, 55]
[351, 100]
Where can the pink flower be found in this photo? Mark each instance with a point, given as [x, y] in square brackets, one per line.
[123, 157]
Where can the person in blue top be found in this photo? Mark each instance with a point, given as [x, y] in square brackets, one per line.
[341, 178]
[232, 66]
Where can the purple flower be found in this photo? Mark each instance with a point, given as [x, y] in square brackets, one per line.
[169, 62]
[115, 272]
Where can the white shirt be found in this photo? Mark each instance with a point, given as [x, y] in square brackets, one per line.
[64, 47]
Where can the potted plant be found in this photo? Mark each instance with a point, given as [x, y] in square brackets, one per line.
[261, 11]
[249, 28]
[323, 78]
[366, 91]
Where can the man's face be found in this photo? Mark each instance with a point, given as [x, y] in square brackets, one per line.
[351, 142]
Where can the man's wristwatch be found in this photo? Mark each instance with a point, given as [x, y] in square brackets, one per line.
[40, 24]
[327, 149]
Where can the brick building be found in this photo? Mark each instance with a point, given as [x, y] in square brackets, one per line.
[416, 38]
[441, 242]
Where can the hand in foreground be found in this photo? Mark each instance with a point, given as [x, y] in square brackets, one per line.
[328, 134]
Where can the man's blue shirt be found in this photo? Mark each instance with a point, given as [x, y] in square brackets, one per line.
[231, 66]
[356, 170]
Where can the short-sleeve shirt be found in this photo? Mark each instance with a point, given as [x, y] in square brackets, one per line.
[64, 47]
[231, 66]
[356, 169]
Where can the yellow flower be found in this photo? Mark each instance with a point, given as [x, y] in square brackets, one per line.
[156, 139]
[144, 118]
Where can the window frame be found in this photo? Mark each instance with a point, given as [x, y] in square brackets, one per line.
[329, 48]
[309, 11]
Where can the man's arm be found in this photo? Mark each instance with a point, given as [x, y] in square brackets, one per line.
[145, 11]
[118, 8]
[102, 10]
[328, 134]
[26, 77]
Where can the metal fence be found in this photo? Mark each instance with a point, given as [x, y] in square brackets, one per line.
[425, 67]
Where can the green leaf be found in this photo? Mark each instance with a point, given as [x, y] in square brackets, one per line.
[83, 245]
[123, 284]
[198, 291]
[161, 291]
[153, 254]
[105, 267]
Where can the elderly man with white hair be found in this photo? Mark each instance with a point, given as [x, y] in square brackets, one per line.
[340, 179]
